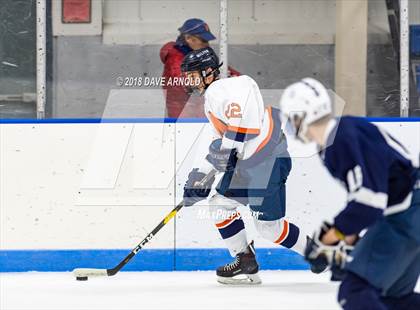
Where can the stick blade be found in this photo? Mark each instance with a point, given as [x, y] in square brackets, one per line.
[89, 272]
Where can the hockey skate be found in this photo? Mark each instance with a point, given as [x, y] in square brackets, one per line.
[242, 271]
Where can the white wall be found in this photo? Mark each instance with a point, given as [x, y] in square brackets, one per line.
[414, 12]
[84, 186]
[250, 21]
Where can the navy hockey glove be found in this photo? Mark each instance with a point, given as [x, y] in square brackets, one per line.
[195, 192]
[318, 254]
[222, 160]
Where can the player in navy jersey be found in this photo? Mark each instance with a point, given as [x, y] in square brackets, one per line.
[373, 245]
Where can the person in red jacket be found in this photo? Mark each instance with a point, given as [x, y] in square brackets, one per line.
[194, 34]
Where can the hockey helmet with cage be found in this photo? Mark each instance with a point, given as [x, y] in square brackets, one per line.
[302, 104]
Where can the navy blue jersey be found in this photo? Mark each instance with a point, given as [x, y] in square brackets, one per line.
[374, 168]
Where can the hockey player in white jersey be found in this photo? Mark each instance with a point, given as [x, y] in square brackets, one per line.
[251, 150]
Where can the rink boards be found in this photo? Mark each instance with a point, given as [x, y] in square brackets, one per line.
[80, 193]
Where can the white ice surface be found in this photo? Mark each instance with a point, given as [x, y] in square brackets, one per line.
[165, 290]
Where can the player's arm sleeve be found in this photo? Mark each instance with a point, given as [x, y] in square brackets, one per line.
[244, 123]
[203, 142]
[365, 175]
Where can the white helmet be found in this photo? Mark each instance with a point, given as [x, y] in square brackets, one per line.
[303, 103]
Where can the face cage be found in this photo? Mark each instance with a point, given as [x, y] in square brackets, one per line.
[193, 89]
[297, 127]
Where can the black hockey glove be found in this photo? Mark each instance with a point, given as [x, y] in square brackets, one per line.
[195, 192]
[222, 160]
[318, 254]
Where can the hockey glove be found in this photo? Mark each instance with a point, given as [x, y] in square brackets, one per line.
[319, 254]
[193, 190]
[222, 159]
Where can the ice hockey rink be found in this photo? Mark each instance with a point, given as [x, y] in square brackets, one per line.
[52, 234]
[96, 145]
[166, 290]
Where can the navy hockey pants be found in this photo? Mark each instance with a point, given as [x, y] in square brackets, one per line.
[386, 263]
[262, 186]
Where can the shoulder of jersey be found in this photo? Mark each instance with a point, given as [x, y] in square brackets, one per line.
[348, 125]
[348, 132]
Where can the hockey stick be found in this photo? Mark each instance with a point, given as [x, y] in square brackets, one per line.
[82, 274]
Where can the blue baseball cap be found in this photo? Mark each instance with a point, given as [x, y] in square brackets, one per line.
[197, 27]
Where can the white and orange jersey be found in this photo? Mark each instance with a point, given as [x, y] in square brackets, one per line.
[235, 108]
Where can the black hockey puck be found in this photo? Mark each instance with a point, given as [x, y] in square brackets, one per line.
[81, 278]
